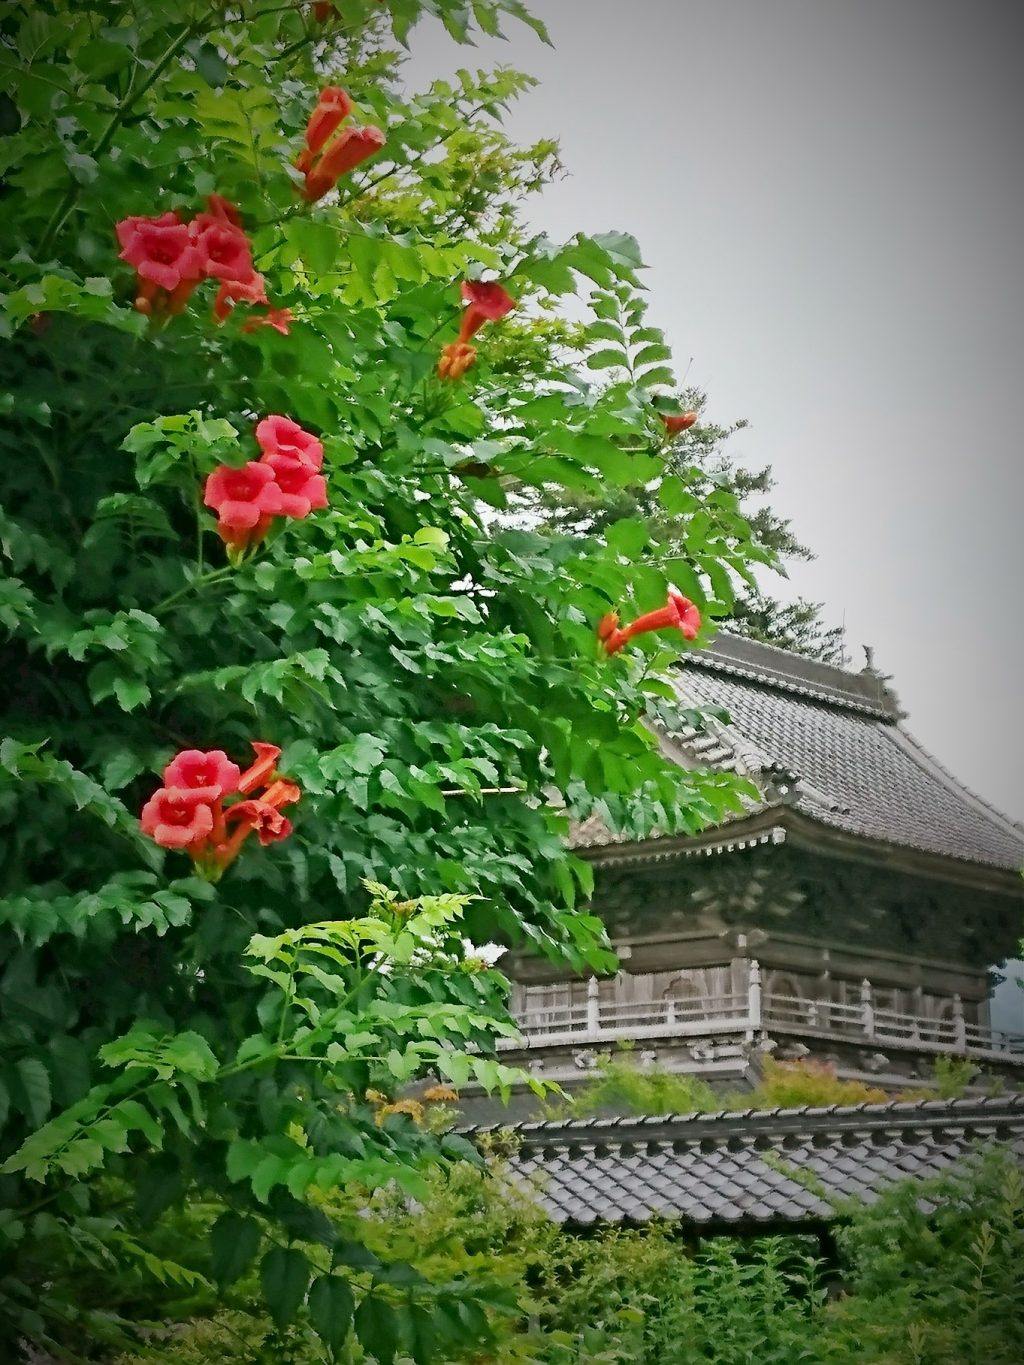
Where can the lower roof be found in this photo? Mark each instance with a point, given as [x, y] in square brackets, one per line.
[777, 1166]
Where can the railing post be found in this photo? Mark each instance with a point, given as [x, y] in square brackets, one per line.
[867, 1008]
[670, 1011]
[959, 1023]
[754, 998]
[593, 1015]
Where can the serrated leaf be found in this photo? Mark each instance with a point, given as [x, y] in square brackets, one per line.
[131, 693]
[32, 1089]
[623, 248]
[331, 1309]
[284, 1277]
[234, 1242]
[608, 359]
[377, 1327]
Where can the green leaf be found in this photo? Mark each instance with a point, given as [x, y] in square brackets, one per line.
[675, 497]
[377, 1327]
[211, 66]
[234, 1242]
[355, 1255]
[623, 248]
[628, 537]
[608, 359]
[131, 692]
[331, 1308]
[32, 1089]
[284, 1276]
[160, 1183]
[423, 1334]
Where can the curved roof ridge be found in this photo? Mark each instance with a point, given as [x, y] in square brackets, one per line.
[899, 734]
[781, 668]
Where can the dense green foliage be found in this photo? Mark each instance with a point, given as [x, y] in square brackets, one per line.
[620, 1086]
[927, 1276]
[430, 672]
[798, 625]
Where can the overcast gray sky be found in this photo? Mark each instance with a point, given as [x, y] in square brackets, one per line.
[830, 199]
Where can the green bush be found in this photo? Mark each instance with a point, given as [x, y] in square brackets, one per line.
[623, 1087]
[928, 1275]
[788, 1085]
[247, 501]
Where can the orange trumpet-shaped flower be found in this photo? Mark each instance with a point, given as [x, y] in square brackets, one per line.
[347, 151]
[488, 302]
[173, 820]
[262, 770]
[261, 814]
[677, 422]
[332, 108]
[456, 358]
[190, 813]
[678, 613]
[280, 319]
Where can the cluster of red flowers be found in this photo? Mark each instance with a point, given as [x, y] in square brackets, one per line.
[678, 613]
[189, 812]
[328, 153]
[171, 258]
[488, 302]
[285, 482]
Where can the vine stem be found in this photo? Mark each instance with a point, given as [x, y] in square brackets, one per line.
[200, 581]
[67, 203]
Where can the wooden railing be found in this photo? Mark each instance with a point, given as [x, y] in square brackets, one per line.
[753, 1011]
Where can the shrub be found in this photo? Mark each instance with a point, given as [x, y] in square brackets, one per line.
[788, 1085]
[253, 457]
[622, 1087]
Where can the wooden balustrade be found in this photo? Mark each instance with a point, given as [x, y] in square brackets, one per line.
[754, 1010]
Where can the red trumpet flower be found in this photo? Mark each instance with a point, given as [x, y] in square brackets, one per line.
[332, 108]
[488, 302]
[176, 822]
[278, 318]
[280, 436]
[262, 770]
[678, 613]
[677, 422]
[344, 154]
[230, 292]
[165, 258]
[244, 499]
[189, 813]
[262, 815]
[194, 776]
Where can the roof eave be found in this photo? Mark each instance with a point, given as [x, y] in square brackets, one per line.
[781, 823]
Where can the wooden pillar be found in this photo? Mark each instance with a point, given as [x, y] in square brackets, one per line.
[593, 1013]
[867, 1008]
[754, 998]
[959, 1024]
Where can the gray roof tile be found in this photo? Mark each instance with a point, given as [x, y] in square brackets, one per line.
[829, 743]
[752, 1166]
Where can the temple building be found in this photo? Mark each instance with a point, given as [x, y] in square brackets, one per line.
[852, 913]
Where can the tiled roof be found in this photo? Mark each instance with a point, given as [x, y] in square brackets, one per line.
[767, 1166]
[829, 743]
